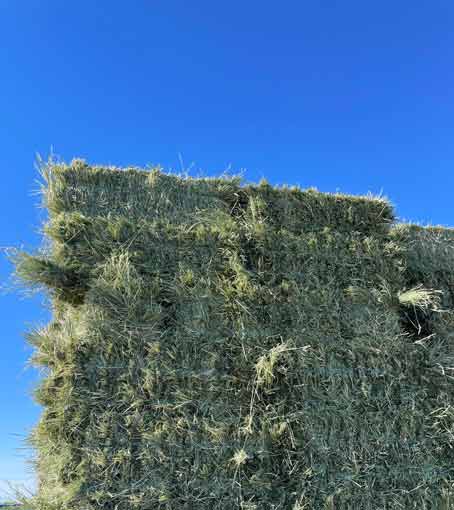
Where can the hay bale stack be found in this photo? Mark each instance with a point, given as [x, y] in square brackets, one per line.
[224, 346]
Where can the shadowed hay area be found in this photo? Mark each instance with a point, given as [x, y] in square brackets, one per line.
[216, 345]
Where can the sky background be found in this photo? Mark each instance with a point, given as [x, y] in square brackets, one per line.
[347, 96]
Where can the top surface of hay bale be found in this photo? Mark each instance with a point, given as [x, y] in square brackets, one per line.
[136, 194]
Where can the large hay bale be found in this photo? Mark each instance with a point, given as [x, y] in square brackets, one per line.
[216, 345]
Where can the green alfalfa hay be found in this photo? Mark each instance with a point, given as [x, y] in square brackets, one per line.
[236, 347]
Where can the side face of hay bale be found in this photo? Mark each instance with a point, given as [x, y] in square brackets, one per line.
[218, 346]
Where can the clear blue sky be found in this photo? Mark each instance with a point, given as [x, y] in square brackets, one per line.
[352, 96]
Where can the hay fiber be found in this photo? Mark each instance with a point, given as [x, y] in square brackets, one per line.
[217, 346]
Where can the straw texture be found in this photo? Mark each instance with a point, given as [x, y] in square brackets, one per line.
[216, 345]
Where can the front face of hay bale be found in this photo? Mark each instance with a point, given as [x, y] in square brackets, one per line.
[225, 346]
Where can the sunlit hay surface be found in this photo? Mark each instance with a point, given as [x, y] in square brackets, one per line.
[216, 345]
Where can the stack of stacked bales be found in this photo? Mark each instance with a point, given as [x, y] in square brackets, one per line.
[429, 263]
[216, 345]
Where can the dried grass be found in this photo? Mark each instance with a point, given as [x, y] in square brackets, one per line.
[217, 345]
